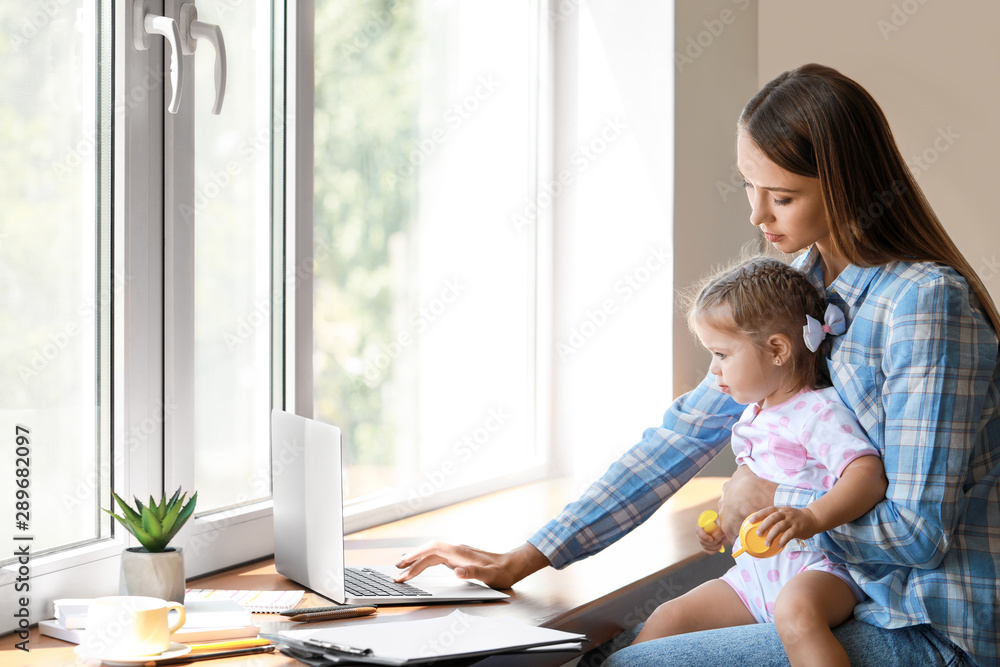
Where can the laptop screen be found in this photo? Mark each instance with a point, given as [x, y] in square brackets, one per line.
[308, 503]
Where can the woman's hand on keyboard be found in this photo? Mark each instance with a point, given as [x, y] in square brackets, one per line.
[494, 570]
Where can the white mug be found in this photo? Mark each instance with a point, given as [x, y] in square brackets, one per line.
[126, 626]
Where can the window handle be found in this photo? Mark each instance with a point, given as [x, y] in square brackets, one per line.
[145, 24]
[191, 31]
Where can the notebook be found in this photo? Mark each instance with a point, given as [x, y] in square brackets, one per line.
[207, 620]
[306, 470]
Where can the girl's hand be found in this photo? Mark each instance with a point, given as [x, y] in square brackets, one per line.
[788, 522]
[711, 542]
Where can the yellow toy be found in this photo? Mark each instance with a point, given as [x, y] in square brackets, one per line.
[754, 544]
[708, 521]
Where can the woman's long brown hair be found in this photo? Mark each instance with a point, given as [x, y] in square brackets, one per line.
[814, 121]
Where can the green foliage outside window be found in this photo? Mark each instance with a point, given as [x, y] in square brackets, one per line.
[367, 65]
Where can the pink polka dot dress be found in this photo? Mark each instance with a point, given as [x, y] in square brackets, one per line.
[807, 441]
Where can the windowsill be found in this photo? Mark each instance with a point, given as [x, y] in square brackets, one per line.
[598, 596]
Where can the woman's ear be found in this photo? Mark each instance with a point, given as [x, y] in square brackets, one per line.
[781, 348]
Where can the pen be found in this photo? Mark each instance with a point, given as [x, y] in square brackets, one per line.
[192, 657]
[338, 648]
[317, 645]
[315, 610]
[235, 643]
[333, 615]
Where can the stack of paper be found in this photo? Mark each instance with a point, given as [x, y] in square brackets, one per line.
[72, 613]
[259, 602]
[205, 614]
[458, 635]
[205, 621]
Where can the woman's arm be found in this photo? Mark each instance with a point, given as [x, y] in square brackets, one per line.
[695, 428]
[938, 357]
[861, 486]
[742, 495]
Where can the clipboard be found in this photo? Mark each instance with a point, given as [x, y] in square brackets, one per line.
[452, 637]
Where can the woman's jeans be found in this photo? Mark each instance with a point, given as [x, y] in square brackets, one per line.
[758, 646]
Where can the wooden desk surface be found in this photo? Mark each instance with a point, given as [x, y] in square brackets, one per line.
[598, 596]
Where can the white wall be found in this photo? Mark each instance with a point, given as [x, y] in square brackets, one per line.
[715, 55]
[935, 69]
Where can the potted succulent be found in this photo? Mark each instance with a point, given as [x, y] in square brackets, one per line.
[154, 569]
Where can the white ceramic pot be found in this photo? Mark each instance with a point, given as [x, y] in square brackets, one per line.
[156, 575]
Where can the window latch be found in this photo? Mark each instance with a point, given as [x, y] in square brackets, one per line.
[145, 25]
[191, 31]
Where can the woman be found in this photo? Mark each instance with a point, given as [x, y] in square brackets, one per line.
[918, 364]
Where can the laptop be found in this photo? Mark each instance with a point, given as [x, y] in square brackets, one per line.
[306, 473]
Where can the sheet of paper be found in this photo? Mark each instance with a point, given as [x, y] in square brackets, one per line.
[453, 635]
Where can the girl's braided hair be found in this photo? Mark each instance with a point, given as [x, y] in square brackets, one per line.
[760, 297]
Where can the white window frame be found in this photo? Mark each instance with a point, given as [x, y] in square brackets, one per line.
[89, 570]
[218, 539]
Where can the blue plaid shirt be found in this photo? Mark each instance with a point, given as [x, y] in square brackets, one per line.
[919, 366]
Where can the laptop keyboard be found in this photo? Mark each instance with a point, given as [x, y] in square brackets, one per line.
[368, 583]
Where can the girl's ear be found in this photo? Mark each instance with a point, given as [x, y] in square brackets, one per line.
[781, 348]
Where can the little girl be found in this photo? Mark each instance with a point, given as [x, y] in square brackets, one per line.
[767, 328]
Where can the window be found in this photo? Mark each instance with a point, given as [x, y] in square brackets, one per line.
[55, 276]
[223, 270]
[230, 218]
[130, 264]
[232, 215]
[153, 269]
[426, 247]
[57, 280]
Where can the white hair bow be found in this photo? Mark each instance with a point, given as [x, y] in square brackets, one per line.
[814, 332]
